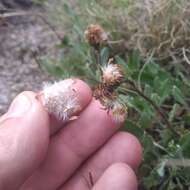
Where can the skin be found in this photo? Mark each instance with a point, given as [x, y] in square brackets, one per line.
[38, 152]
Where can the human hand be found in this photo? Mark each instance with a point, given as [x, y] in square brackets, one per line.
[38, 153]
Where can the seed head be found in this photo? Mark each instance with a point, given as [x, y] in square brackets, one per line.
[60, 99]
[119, 111]
[112, 74]
[105, 91]
[95, 35]
[102, 90]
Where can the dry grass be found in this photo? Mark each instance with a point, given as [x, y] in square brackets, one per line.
[161, 27]
[153, 27]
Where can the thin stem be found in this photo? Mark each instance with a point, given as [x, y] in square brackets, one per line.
[142, 70]
[162, 148]
[97, 56]
[159, 111]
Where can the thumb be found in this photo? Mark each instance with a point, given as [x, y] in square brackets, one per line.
[24, 137]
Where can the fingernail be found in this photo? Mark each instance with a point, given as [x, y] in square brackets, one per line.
[19, 106]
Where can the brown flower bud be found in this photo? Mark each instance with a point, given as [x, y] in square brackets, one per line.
[95, 35]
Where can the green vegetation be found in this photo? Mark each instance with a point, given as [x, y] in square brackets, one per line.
[150, 39]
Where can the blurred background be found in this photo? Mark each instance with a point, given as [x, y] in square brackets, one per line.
[43, 40]
[23, 35]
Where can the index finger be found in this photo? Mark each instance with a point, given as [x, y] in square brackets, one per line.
[83, 95]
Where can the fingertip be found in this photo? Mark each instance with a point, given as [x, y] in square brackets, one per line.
[123, 174]
[84, 92]
[37, 111]
[131, 146]
[118, 176]
[32, 124]
[26, 103]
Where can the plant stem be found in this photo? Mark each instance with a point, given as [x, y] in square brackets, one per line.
[97, 56]
[159, 111]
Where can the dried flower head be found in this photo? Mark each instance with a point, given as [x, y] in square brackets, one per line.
[111, 78]
[95, 35]
[112, 74]
[102, 90]
[119, 111]
[60, 99]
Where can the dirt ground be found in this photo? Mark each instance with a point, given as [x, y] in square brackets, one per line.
[20, 38]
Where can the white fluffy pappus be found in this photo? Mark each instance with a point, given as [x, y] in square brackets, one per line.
[111, 73]
[119, 112]
[60, 99]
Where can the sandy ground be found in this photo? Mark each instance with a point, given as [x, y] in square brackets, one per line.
[20, 38]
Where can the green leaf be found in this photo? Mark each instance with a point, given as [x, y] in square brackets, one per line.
[120, 61]
[149, 150]
[68, 10]
[124, 66]
[145, 120]
[187, 119]
[134, 61]
[151, 182]
[77, 29]
[147, 90]
[52, 67]
[173, 112]
[178, 95]
[185, 145]
[143, 73]
[156, 98]
[133, 128]
[104, 55]
[166, 136]
[163, 87]
[66, 40]
[153, 68]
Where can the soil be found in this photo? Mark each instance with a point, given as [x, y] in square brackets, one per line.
[22, 37]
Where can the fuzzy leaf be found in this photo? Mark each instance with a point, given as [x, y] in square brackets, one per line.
[134, 61]
[185, 145]
[133, 128]
[104, 54]
[178, 95]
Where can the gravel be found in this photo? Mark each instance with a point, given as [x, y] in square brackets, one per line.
[20, 38]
